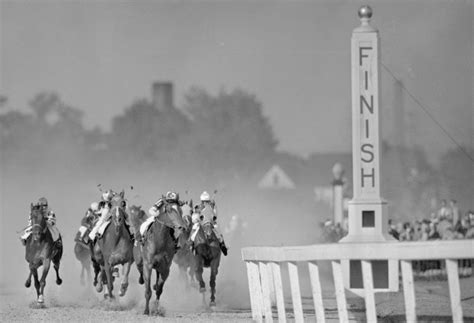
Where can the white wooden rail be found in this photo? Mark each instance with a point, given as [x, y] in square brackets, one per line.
[265, 284]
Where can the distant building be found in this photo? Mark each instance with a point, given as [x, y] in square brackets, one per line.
[275, 178]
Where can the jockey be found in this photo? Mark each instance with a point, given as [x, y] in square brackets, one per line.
[173, 199]
[207, 210]
[92, 215]
[103, 210]
[50, 221]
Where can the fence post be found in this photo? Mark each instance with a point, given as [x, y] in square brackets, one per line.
[340, 292]
[255, 289]
[295, 292]
[267, 303]
[454, 289]
[316, 290]
[367, 277]
[408, 290]
[280, 300]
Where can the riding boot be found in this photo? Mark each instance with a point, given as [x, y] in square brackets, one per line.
[223, 248]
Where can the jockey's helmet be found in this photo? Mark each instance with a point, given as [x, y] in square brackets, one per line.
[107, 195]
[95, 206]
[171, 196]
[43, 201]
[205, 197]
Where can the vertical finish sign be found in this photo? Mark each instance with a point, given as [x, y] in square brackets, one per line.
[367, 209]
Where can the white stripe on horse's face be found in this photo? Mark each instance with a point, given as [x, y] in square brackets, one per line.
[117, 214]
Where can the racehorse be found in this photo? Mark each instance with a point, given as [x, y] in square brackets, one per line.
[82, 249]
[137, 217]
[41, 250]
[83, 254]
[159, 247]
[207, 255]
[184, 257]
[115, 247]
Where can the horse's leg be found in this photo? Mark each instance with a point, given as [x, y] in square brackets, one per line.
[28, 280]
[147, 276]
[34, 271]
[110, 279]
[212, 282]
[82, 274]
[199, 270]
[97, 277]
[56, 263]
[46, 264]
[88, 270]
[161, 278]
[125, 272]
[140, 271]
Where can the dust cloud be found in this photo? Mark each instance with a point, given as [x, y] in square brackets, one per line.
[247, 217]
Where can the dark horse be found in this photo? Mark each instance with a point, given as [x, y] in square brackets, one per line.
[137, 217]
[207, 255]
[159, 247]
[82, 250]
[41, 250]
[115, 247]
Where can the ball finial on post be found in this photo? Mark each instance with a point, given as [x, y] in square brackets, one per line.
[365, 12]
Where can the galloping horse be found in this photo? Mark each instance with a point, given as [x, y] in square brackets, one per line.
[82, 250]
[137, 217]
[41, 250]
[184, 257]
[115, 247]
[159, 247]
[207, 254]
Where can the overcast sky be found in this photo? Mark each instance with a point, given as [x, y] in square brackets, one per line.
[294, 55]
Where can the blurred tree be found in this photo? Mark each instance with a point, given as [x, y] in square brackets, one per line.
[144, 132]
[230, 130]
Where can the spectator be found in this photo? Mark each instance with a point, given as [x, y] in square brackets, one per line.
[433, 233]
[444, 212]
[456, 215]
[392, 230]
[407, 234]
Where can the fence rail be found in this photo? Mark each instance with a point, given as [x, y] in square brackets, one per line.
[265, 284]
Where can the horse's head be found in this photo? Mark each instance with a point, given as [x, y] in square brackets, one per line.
[118, 209]
[171, 215]
[207, 230]
[38, 220]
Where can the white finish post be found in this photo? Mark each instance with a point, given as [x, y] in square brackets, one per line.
[267, 304]
[280, 300]
[255, 290]
[409, 290]
[295, 292]
[340, 292]
[367, 210]
[454, 289]
[371, 313]
[317, 292]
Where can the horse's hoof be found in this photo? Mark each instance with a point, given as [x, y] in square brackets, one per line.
[146, 312]
[28, 283]
[99, 288]
[123, 290]
[202, 289]
[59, 281]
[141, 281]
[40, 299]
[212, 304]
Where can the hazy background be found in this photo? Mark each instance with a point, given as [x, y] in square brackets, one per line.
[255, 84]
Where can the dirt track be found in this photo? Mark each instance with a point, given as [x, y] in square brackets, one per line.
[18, 305]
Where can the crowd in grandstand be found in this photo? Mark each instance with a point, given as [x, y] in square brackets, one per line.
[447, 223]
